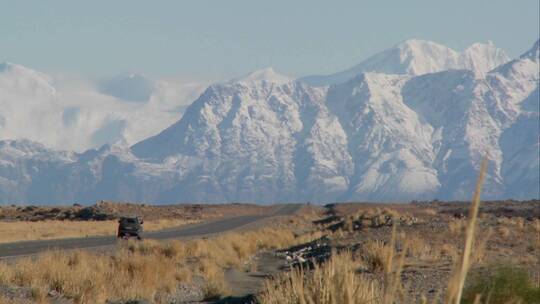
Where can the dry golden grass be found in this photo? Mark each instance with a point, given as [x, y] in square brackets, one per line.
[87, 278]
[143, 269]
[456, 227]
[447, 250]
[456, 283]
[42, 230]
[335, 281]
[326, 285]
[516, 224]
[430, 211]
[375, 255]
[419, 248]
[503, 231]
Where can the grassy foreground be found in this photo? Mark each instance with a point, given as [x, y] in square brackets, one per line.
[142, 270]
[377, 271]
[375, 276]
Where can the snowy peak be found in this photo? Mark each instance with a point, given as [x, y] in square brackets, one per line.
[255, 96]
[522, 69]
[481, 58]
[267, 75]
[418, 57]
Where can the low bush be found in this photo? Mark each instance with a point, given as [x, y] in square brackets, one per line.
[501, 284]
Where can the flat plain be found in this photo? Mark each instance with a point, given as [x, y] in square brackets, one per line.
[338, 253]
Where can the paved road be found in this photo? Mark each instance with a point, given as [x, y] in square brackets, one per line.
[197, 230]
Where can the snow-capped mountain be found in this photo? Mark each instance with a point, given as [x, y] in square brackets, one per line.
[258, 132]
[268, 138]
[418, 57]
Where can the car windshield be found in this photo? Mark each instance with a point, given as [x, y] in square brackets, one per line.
[129, 220]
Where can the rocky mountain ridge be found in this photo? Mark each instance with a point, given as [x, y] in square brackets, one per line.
[411, 135]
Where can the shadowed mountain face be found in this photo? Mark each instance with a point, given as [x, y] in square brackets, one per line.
[266, 138]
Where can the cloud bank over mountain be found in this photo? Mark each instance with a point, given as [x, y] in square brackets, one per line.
[78, 114]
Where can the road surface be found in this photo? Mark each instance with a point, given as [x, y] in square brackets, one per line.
[10, 250]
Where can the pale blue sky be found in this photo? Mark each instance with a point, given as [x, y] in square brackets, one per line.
[223, 39]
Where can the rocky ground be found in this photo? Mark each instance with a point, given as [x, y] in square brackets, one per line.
[508, 234]
[111, 210]
[428, 234]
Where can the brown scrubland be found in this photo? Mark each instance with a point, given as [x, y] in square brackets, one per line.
[147, 269]
[26, 223]
[431, 252]
[423, 253]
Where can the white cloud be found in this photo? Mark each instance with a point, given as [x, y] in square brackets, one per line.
[68, 112]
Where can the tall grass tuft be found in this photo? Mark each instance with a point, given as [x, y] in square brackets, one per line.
[456, 283]
[335, 281]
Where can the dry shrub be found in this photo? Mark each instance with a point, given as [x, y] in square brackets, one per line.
[215, 279]
[375, 254]
[335, 281]
[536, 226]
[518, 222]
[391, 212]
[137, 270]
[457, 281]
[448, 250]
[430, 211]
[514, 223]
[503, 231]
[478, 255]
[90, 278]
[418, 247]
[457, 226]
[348, 224]
[502, 284]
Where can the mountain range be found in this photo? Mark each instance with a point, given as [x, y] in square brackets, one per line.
[409, 123]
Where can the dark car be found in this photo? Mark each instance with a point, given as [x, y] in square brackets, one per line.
[130, 226]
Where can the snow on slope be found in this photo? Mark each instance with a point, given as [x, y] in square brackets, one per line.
[390, 146]
[517, 84]
[418, 57]
[265, 138]
[256, 139]
[400, 137]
